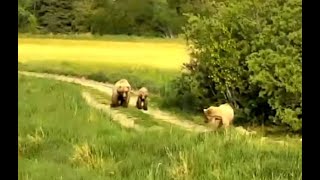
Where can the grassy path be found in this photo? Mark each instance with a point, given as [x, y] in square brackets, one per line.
[115, 115]
[107, 88]
[131, 122]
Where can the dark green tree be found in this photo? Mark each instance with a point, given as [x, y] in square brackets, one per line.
[55, 16]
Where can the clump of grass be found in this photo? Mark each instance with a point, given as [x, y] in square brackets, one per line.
[85, 156]
[88, 156]
[31, 143]
[179, 168]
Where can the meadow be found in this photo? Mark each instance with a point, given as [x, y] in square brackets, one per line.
[144, 61]
[61, 137]
[151, 63]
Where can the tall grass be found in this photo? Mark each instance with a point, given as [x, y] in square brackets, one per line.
[61, 137]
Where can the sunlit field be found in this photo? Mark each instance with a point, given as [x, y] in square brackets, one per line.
[144, 62]
[166, 55]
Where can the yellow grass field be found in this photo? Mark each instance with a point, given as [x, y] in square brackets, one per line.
[158, 54]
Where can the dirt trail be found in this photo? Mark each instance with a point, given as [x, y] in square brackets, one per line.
[107, 88]
[122, 119]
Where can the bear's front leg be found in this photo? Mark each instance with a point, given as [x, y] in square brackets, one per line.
[145, 105]
[138, 104]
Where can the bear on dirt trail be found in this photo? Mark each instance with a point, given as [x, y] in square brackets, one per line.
[217, 116]
[121, 93]
[142, 100]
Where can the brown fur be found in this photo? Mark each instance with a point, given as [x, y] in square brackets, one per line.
[142, 100]
[222, 115]
[121, 93]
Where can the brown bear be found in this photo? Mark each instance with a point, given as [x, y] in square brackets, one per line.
[142, 100]
[121, 93]
[222, 115]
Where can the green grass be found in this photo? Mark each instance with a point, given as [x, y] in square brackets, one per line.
[61, 137]
[141, 118]
[154, 79]
[119, 38]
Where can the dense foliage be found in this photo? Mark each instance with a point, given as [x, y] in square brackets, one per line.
[249, 54]
[137, 17]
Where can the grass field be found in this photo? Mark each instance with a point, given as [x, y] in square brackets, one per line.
[151, 63]
[61, 137]
[165, 55]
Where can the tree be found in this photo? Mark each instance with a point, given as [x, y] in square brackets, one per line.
[55, 16]
[83, 11]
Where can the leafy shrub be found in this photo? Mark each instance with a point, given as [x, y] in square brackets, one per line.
[249, 54]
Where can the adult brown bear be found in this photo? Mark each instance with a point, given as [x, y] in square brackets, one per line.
[121, 93]
[222, 115]
[142, 100]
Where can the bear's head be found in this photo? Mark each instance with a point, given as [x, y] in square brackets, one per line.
[143, 93]
[211, 114]
[123, 91]
[123, 88]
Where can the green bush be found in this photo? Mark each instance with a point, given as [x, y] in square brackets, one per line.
[249, 54]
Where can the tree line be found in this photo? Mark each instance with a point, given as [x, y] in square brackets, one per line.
[162, 18]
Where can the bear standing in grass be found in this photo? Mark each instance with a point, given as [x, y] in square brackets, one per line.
[217, 116]
[121, 93]
[142, 100]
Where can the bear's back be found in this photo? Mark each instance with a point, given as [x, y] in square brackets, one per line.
[227, 111]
